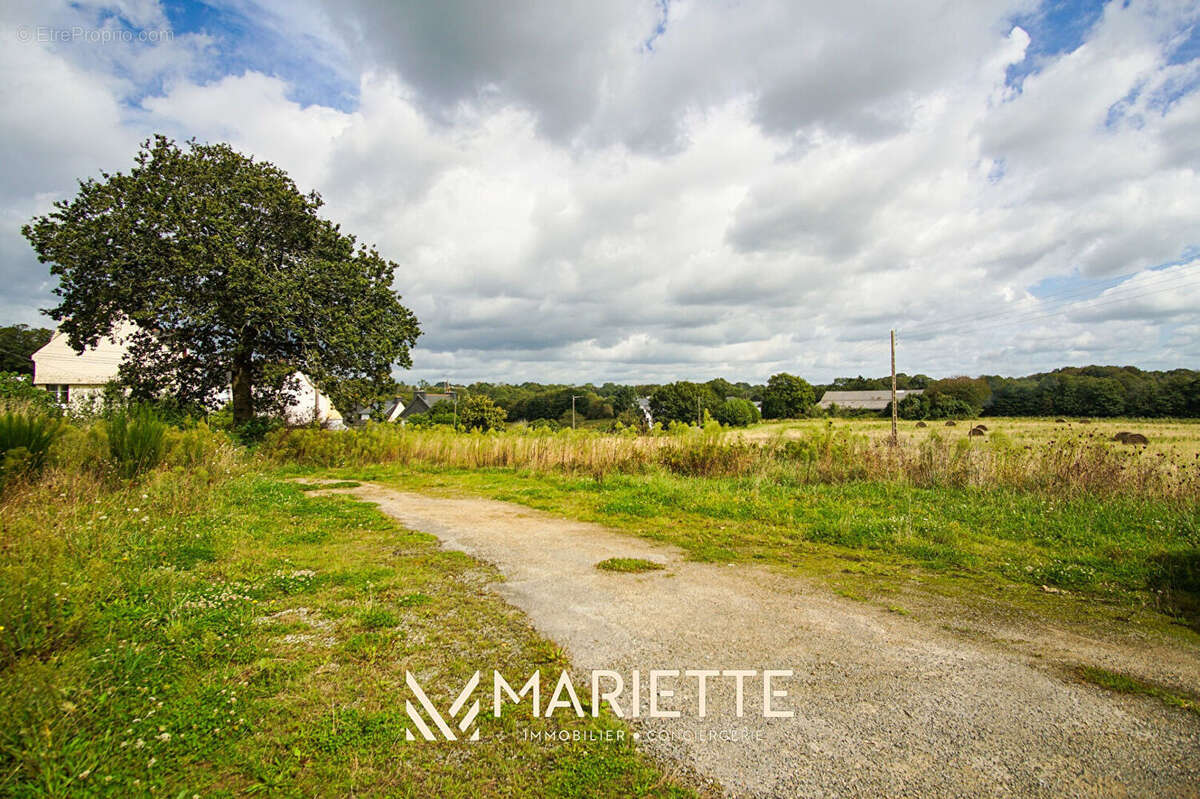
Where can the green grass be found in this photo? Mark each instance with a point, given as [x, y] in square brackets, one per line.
[1134, 551]
[238, 637]
[1126, 684]
[631, 565]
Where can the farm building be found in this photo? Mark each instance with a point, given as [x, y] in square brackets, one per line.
[423, 401]
[862, 400]
[77, 379]
[389, 411]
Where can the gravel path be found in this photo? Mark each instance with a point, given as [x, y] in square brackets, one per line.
[885, 705]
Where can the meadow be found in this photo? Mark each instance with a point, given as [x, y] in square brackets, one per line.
[1040, 507]
[178, 616]
[193, 625]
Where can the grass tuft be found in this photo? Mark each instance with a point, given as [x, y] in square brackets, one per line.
[630, 565]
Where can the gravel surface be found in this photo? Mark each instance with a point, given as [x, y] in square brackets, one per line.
[884, 705]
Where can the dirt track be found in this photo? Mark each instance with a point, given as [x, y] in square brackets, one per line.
[885, 705]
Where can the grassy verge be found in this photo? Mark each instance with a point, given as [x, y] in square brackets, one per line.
[866, 536]
[184, 636]
[1127, 684]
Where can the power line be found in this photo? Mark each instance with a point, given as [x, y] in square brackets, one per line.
[1075, 294]
[1009, 317]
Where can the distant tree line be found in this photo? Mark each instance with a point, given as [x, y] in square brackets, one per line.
[1072, 391]
[17, 344]
[1100, 391]
[1097, 391]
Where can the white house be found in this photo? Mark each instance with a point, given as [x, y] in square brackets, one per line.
[78, 378]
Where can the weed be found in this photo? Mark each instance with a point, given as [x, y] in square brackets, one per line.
[136, 441]
[628, 565]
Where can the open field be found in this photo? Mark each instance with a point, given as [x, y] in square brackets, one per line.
[209, 627]
[221, 633]
[1178, 437]
[1115, 525]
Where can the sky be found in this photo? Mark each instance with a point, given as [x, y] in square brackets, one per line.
[652, 190]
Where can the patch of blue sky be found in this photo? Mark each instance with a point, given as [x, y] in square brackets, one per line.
[249, 38]
[664, 10]
[1077, 288]
[1056, 27]
[1188, 47]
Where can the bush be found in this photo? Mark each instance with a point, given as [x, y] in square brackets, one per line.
[24, 441]
[18, 391]
[478, 412]
[735, 412]
[136, 441]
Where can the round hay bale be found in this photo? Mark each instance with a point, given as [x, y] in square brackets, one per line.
[1135, 438]
[1060, 421]
[1085, 421]
[951, 423]
[921, 424]
[982, 427]
[975, 431]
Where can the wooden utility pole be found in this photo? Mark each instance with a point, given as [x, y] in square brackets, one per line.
[573, 396]
[895, 435]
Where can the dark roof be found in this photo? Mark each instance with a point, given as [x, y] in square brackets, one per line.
[423, 401]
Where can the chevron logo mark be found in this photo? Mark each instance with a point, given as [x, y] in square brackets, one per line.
[431, 719]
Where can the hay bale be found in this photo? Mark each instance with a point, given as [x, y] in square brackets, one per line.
[921, 424]
[982, 427]
[1060, 421]
[951, 423]
[1085, 421]
[976, 431]
[1126, 437]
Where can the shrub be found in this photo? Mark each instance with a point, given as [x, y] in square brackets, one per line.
[18, 392]
[478, 412]
[24, 441]
[735, 412]
[136, 441]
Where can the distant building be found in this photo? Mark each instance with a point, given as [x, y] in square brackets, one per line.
[423, 401]
[863, 400]
[389, 411]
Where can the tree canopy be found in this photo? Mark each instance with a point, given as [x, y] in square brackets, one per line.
[684, 402]
[17, 344]
[231, 277]
[787, 397]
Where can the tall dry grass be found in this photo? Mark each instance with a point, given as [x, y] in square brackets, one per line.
[1067, 466]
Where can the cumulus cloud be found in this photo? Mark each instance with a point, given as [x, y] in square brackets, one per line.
[643, 191]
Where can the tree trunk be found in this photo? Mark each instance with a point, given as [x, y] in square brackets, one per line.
[243, 393]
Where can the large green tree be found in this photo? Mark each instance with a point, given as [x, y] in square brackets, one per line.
[787, 397]
[231, 276]
[683, 402]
